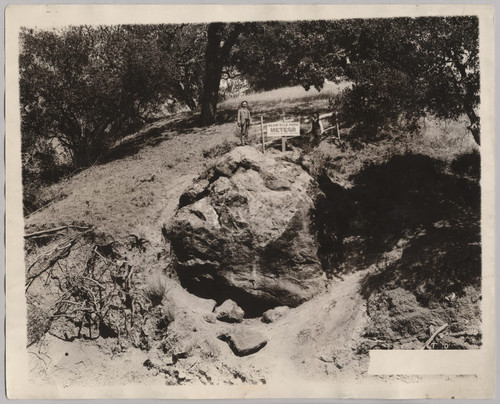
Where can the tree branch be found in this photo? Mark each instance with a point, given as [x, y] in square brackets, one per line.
[229, 76]
[231, 40]
[54, 230]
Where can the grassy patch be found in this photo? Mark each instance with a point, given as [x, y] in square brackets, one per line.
[156, 287]
[296, 94]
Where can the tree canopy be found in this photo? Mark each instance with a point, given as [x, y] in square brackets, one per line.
[87, 86]
[413, 66]
[400, 68]
[83, 87]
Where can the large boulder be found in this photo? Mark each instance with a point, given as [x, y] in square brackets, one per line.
[247, 230]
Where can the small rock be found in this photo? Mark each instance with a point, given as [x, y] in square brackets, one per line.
[181, 375]
[230, 312]
[473, 331]
[244, 342]
[168, 360]
[182, 349]
[158, 360]
[210, 318]
[275, 314]
[177, 301]
[180, 354]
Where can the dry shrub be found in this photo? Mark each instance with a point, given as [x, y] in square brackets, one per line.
[38, 321]
[156, 287]
[85, 288]
[396, 313]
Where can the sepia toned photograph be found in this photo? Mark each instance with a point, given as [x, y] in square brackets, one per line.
[248, 204]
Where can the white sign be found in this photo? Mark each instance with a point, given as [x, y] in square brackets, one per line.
[280, 129]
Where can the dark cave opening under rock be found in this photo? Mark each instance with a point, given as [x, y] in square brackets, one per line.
[216, 288]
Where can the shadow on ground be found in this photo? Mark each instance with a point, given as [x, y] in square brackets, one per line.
[416, 222]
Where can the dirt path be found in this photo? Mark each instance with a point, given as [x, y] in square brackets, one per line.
[88, 363]
[300, 345]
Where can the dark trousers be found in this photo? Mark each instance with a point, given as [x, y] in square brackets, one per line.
[315, 137]
[244, 132]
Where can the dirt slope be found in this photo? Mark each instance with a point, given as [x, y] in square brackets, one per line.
[301, 344]
[299, 347]
[129, 195]
[319, 340]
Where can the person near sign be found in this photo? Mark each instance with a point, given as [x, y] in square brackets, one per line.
[316, 129]
[244, 121]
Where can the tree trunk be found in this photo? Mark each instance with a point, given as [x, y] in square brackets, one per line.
[468, 103]
[216, 56]
[474, 126]
[476, 133]
[88, 147]
[186, 96]
[213, 73]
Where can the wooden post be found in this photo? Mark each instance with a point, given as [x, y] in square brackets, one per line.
[262, 134]
[283, 141]
[337, 124]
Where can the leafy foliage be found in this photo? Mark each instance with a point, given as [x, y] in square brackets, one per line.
[400, 68]
[450, 62]
[404, 68]
[82, 88]
[276, 54]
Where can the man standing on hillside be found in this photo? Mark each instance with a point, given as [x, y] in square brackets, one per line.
[316, 129]
[244, 121]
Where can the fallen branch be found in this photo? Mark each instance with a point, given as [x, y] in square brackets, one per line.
[466, 333]
[54, 230]
[38, 356]
[102, 256]
[61, 252]
[194, 364]
[323, 359]
[327, 115]
[433, 336]
[40, 208]
[93, 280]
[47, 254]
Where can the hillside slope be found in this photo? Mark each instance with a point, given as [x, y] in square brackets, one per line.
[324, 338]
[129, 195]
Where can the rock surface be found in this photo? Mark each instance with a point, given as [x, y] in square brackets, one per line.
[210, 318]
[275, 314]
[246, 230]
[230, 312]
[244, 342]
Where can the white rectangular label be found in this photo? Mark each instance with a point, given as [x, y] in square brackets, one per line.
[279, 129]
[428, 362]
